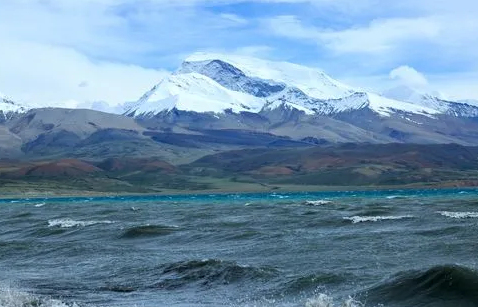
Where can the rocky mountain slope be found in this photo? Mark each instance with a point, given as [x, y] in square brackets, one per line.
[211, 91]
[215, 103]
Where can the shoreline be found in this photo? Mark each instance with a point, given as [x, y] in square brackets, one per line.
[279, 189]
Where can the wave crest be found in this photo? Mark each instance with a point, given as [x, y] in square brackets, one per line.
[362, 219]
[459, 215]
[69, 223]
[319, 202]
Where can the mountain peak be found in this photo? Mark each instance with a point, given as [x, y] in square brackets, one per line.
[312, 81]
[8, 106]
[193, 92]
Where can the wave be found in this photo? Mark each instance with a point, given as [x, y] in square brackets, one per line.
[363, 219]
[396, 197]
[459, 215]
[10, 297]
[40, 205]
[148, 231]
[21, 215]
[439, 286]
[443, 231]
[313, 281]
[210, 272]
[319, 202]
[324, 300]
[68, 223]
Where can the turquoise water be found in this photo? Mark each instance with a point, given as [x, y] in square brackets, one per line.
[349, 248]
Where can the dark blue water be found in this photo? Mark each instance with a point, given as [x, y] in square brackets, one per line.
[374, 248]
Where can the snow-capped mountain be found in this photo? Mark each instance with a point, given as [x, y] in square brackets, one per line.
[313, 82]
[9, 108]
[215, 83]
[193, 92]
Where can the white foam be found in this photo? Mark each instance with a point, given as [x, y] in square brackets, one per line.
[395, 196]
[279, 196]
[10, 297]
[40, 205]
[363, 219]
[319, 202]
[459, 215]
[323, 300]
[68, 223]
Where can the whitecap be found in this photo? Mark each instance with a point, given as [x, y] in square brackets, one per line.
[395, 197]
[459, 215]
[324, 300]
[40, 205]
[363, 219]
[319, 202]
[16, 298]
[68, 223]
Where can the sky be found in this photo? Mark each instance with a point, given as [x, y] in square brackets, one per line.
[73, 52]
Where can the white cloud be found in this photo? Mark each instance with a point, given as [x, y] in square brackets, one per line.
[43, 74]
[112, 50]
[379, 36]
[255, 51]
[458, 85]
[234, 18]
[68, 52]
[409, 76]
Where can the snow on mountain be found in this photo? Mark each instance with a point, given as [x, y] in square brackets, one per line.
[313, 82]
[386, 106]
[471, 102]
[208, 82]
[193, 92]
[379, 104]
[8, 106]
[405, 93]
[433, 101]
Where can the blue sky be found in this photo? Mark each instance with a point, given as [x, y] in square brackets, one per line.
[114, 50]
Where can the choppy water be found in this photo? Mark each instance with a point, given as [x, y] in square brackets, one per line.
[387, 248]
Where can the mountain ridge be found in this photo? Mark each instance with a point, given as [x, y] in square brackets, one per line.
[252, 85]
[216, 104]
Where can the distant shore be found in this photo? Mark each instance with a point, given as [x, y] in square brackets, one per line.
[277, 189]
